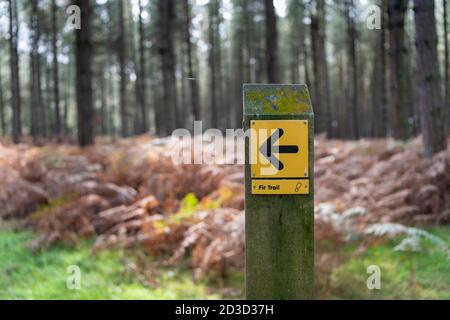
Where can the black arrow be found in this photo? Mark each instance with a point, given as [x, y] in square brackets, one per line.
[268, 149]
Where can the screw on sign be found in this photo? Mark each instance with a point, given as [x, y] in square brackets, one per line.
[279, 192]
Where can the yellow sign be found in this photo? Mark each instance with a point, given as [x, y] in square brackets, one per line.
[280, 186]
[279, 148]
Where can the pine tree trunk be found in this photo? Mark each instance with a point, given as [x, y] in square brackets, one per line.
[213, 63]
[320, 67]
[142, 85]
[103, 102]
[446, 65]
[111, 128]
[36, 105]
[382, 83]
[271, 42]
[430, 92]
[343, 118]
[83, 54]
[379, 117]
[166, 50]
[295, 29]
[57, 125]
[353, 93]
[248, 27]
[122, 55]
[397, 62]
[238, 61]
[193, 80]
[14, 65]
[2, 104]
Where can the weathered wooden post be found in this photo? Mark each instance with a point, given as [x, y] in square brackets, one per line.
[279, 194]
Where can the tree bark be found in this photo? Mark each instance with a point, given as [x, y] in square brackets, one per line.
[238, 59]
[353, 88]
[103, 102]
[296, 11]
[321, 82]
[446, 65]
[142, 85]
[14, 66]
[36, 104]
[166, 19]
[397, 62]
[430, 91]
[379, 99]
[217, 114]
[2, 104]
[83, 54]
[271, 42]
[122, 55]
[193, 80]
[56, 99]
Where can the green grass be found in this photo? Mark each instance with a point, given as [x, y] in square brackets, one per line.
[43, 275]
[404, 275]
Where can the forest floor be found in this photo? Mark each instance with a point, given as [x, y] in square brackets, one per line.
[114, 274]
[140, 226]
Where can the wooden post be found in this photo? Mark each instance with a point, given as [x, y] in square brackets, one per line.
[279, 192]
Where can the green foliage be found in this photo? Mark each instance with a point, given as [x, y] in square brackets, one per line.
[189, 203]
[42, 275]
[404, 275]
[53, 204]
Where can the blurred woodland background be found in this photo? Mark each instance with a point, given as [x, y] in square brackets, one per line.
[85, 167]
[139, 66]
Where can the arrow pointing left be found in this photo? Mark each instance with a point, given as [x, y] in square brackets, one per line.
[268, 149]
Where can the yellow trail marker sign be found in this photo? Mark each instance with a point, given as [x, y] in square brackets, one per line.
[279, 151]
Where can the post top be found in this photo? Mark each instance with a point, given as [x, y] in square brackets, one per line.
[283, 99]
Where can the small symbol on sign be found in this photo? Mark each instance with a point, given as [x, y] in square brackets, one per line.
[268, 149]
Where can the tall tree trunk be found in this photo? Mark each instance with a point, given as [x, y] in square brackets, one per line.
[296, 11]
[446, 64]
[166, 16]
[397, 65]
[14, 65]
[248, 27]
[109, 87]
[351, 38]
[271, 42]
[193, 80]
[295, 22]
[103, 102]
[212, 70]
[65, 113]
[2, 104]
[321, 90]
[343, 118]
[57, 124]
[122, 55]
[382, 85]
[379, 111]
[214, 63]
[238, 64]
[83, 54]
[220, 78]
[142, 75]
[430, 92]
[46, 116]
[134, 114]
[306, 64]
[36, 104]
